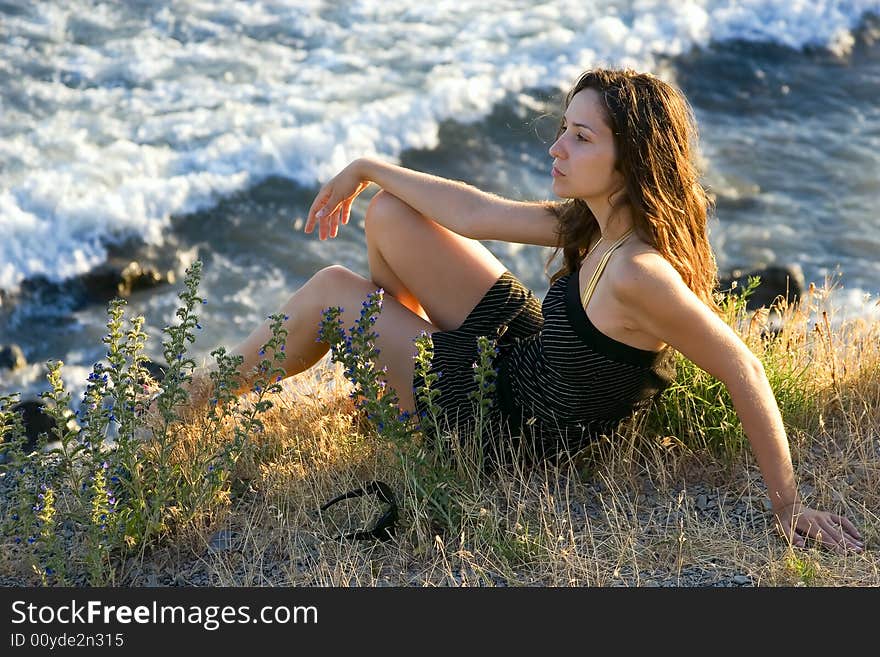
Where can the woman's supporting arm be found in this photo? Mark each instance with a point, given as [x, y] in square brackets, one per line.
[761, 420]
[762, 423]
[660, 304]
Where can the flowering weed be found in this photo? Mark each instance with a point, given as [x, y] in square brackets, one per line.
[78, 506]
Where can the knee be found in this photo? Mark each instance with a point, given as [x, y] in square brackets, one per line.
[330, 278]
[323, 289]
[320, 285]
[385, 209]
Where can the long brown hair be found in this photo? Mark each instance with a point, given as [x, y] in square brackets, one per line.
[655, 140]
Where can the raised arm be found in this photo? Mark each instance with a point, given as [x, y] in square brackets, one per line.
[460, 207]
[525, 222]
[662, 305]
[450, 203]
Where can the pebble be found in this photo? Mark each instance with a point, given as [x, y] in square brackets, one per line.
[221, 541]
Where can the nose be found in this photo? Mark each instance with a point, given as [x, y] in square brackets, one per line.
[556, 150]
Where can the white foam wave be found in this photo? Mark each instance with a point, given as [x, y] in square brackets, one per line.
[114, 121]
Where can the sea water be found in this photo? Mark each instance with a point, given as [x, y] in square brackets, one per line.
[201, 129]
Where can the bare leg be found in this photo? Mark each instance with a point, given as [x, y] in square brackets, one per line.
[436, 273]
[382, 274]
[301, 347]
[433, 279]
[396, 328]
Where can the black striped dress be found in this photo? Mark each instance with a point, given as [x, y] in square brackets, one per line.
[560, 381]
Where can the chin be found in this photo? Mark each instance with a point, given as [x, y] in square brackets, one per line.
[558, 193]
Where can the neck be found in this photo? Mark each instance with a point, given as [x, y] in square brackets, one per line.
[611, 226]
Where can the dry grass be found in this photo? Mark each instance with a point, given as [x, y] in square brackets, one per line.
[656, 503]
[639, 508]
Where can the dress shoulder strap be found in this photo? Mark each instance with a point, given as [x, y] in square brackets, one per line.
[588, 293]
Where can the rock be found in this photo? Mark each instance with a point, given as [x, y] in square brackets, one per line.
[12, 357]
[151, 577]
[35, 421]
[741, 579]
[113, 280]
[220, 541]
[156, 370]
[786, 282]
[116, 278]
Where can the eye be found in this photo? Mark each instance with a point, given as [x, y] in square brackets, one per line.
[562, 129]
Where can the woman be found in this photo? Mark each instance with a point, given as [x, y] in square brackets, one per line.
[636, 254]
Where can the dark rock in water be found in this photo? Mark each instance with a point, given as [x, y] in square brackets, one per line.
[116, 278]
[776, 284]
[156, 371]
[12, 357]
[785, 282]
[112, 280]
[35, 421]
[135, 277]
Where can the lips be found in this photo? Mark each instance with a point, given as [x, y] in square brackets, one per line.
[557, 172]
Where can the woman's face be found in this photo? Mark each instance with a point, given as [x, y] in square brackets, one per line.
[583, 155]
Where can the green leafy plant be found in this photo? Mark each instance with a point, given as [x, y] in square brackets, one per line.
[432, 470]
[85, 499]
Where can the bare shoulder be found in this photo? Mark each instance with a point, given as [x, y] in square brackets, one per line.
[639, 267]
[641, 277]
[660, 304]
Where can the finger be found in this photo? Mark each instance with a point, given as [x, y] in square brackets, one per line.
[847, 526]
[313, 217]
[319, 202]
[327, 210]
[334, 222]
[835, 531]
[834, 536]
[849, 539]
[854, 546]
[360, 188]
[346, 211]
[325, 216]
[795, 538]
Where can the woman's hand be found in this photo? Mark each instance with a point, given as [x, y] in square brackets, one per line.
[332, 205]
[798, 522]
